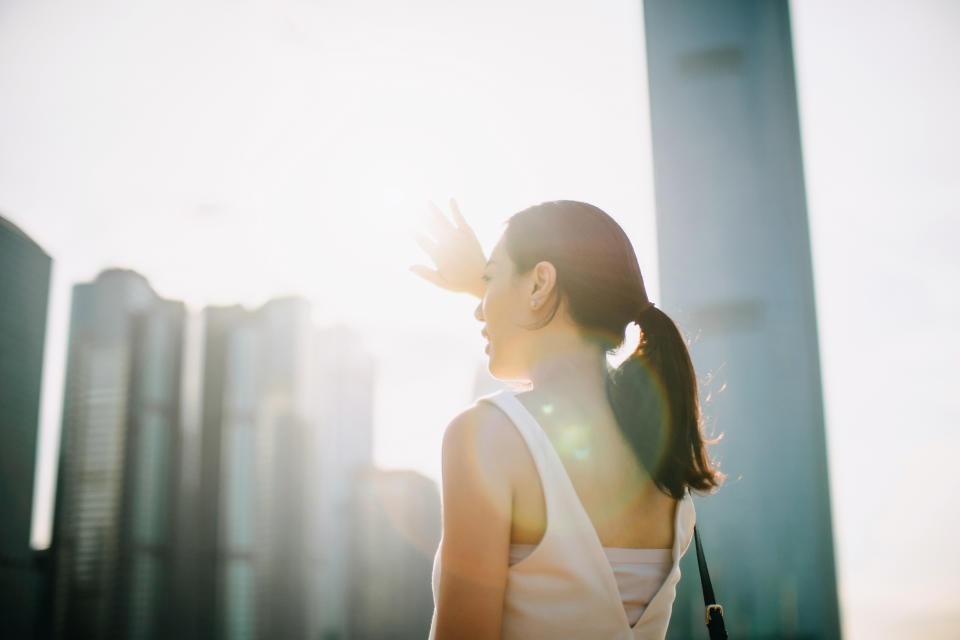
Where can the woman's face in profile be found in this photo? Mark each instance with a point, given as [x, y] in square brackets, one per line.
[504, 310]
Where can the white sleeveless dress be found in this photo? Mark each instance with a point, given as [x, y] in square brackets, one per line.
[566, 587]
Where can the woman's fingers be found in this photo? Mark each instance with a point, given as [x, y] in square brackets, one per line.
[428, 245]
[457, 216]
[439, 224]
[430, 275]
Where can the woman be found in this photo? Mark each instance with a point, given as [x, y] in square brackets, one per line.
[566, 507]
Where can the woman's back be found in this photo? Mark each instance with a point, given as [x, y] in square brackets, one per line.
[626, 509]
[565, 587]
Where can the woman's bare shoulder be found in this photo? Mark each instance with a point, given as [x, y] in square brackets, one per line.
[484, 432]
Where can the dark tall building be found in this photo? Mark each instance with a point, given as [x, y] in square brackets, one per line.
[24, 287]
[736, 274]
[119, 462]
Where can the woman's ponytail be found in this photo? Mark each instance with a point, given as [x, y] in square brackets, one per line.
[654, 397]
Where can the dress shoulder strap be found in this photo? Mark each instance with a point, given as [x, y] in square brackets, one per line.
[532, 433]
[565, 512]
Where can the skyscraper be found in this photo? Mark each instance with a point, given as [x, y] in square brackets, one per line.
[736, 275]
[118, 463]
[285, 410]
[251, 577]
[24, 287]
[152, 465]
[343, 447]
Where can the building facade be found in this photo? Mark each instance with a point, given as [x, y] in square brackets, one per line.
[147, 537]
[118, 462]
[24, 288]
[343, 447]
[736, 275]
[286, 412]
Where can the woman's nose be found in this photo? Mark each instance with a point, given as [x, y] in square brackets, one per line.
[478, 312]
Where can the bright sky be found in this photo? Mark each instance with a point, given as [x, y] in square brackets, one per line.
[234, 151]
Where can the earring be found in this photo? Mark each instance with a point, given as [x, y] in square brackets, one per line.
[533, 303]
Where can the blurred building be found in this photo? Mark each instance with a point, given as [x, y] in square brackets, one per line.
[24, 287]
[736, 275]
[255, 412]
[342, 446]
[396, 525]
[152, 467]
[284, 410]
[114, 509]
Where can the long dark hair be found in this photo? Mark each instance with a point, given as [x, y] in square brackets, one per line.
[653, 393]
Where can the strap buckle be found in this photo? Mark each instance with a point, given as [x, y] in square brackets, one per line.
[710, 608]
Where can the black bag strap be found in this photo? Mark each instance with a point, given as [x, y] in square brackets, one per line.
[713, 612]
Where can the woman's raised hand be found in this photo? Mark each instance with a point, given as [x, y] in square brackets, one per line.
[455, 250]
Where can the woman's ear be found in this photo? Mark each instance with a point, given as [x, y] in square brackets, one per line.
[544, 277]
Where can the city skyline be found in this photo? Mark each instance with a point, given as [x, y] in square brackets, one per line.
[244, 525]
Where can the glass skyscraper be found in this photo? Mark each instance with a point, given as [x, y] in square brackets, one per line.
[24, 287]
[118, 465]
[286, 414]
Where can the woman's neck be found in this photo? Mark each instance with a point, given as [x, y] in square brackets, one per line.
[570, 371]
